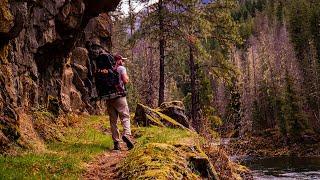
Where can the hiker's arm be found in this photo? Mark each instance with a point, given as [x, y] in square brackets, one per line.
[125, 78]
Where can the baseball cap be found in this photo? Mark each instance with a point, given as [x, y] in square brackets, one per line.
[118, 57]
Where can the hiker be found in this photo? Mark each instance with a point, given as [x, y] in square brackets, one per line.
[118, 107]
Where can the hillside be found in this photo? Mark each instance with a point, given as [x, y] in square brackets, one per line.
[84, 150]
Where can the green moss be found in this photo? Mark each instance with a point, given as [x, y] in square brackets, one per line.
[155, 117]
[163, 153]
[156, 161]
[47, 126]
[155, 121]
[169, 121]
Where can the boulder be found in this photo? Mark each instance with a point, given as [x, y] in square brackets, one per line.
[166, 161]
[202, 165]
[146, 116]
[175, 110]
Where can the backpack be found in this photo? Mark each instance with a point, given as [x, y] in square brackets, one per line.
[107, 84]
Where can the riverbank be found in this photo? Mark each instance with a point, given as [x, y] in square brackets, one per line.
[269, 157]
[271, 144]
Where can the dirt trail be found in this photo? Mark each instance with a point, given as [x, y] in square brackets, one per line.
[104, 166]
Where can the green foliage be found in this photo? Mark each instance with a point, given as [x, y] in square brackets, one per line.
[234, 109]
[244, 15]
[211, 34]
[265, 107]
[294, 120]
[299, 14]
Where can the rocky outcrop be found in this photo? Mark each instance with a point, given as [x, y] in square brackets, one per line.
[44, 56]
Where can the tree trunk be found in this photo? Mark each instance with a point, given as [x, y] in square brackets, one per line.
[254, 73]
[131, 17]
[194, 104]
[161, 48]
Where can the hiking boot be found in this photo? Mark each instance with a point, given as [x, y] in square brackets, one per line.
[116, 146]
[128, 141]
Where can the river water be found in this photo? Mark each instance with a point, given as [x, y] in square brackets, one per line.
[284, 168]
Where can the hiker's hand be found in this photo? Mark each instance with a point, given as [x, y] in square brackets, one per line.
[104, 71]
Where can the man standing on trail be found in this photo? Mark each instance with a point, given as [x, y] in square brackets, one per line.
[118, 108]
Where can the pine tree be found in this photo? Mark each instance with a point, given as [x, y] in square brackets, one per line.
[294, 123]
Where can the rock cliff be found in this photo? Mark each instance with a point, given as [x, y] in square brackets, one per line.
[46, 50]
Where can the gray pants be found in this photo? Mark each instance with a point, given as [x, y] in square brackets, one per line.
[118, 108]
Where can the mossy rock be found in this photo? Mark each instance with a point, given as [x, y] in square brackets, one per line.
[175, 110]
[146, 116]
[166, 153]
[166, 161]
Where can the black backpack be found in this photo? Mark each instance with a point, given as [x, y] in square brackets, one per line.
[107, 84]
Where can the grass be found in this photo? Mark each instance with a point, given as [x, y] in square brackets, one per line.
[61, 160]
[162, 135]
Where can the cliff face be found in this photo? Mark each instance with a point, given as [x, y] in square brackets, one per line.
[45, 50]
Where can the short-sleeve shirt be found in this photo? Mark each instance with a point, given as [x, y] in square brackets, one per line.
[121, 70]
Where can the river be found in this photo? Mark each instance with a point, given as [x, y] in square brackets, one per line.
[284, 168]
